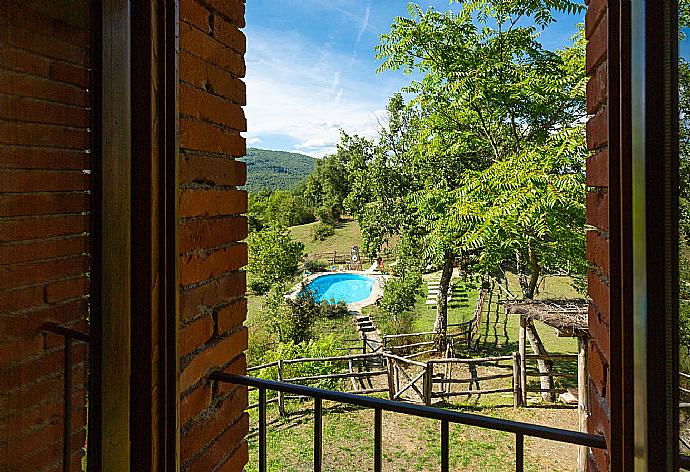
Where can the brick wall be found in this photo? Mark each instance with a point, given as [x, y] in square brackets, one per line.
[212, 303]
[44, 221]
[596, 22]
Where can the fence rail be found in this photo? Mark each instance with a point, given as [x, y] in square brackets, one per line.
[519, 429]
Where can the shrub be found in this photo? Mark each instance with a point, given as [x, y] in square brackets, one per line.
[399, 297]
[322, 231]
[274, 258]
[314, 266]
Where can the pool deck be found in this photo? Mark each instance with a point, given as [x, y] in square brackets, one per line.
[376, 289]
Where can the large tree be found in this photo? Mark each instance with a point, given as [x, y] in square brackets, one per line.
[488, 104]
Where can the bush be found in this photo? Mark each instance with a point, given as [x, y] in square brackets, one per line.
[399, 297]
[334, 311]
[314, 266]
[322, 231]
[274, 258]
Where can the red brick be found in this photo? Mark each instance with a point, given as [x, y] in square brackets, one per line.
[237, 460]
[195, 402]
[195, 334]
[71, 74]
[213, 357]
[35, 111]
[43, 181]
[38, 19]
[599, 423]
[44, 135]
[43, 204]
[598, 291]
[46, 46]
[232, 10]
[599, 329]
[219, 451]
[208, 77]
[597, 46]
[37, 272]
[598, 210]
[41, 368]
[215, 422]
[194, 13]
[14, 157]
[210, 233]
[37, 250]
[23, 61]
[598, 368]
[27, 86]
[597, 89]
[598, 130]
[199, 267]
[231, 316]
[238, 366]
[66, 289]
[13, 300]
[202, 136]
[207, 296]
[196, 202]
[197, 103]
[595, 12]
[212, 171]
[598, 169]
[32, 228]
[598, 251]
[229, 35]
[20, 349]
[30, 322]
[210, 50]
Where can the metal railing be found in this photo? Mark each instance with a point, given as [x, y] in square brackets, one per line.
[70, 335]
[519, 429]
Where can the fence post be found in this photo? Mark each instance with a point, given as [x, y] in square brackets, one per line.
[281, 395]
[391, 377]
[428, 382]
[364, 343]
[523, 359]
[517, 390]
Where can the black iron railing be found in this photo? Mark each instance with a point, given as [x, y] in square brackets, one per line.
[520, 430]
[70, 335]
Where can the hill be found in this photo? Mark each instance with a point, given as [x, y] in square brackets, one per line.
[276, 170]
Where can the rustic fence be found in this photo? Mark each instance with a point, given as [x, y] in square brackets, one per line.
[422, 382]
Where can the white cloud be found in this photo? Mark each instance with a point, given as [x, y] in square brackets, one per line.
[255, 141]
[307, 93]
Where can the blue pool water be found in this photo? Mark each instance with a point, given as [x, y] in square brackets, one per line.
[348, 288]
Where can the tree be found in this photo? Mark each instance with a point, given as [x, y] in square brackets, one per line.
[274, 258]
[489, 95]
[326, 188]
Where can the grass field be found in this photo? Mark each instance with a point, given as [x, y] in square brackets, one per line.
[347, 235]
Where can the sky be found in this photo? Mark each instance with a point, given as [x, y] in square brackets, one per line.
[311, 69]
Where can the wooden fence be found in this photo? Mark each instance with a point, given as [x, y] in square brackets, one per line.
[422, 382]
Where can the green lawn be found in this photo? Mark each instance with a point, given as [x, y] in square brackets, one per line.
[347, 235]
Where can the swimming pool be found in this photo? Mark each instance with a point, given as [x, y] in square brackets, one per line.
[348, 288]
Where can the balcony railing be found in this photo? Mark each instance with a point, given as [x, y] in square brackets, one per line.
[520, 430]
[377, 404]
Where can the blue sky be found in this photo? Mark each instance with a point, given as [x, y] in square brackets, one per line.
[311, 69]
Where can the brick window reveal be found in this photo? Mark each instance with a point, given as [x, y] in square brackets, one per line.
[596, 24]
[212, 302]
[44, 224]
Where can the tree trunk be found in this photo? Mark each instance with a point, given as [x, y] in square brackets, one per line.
[441, 323]
[528, 289]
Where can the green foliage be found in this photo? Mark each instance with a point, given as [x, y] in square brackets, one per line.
[279, 208]
[276, 170]
[326, 188]
[398, 301]
[274, 258]
[325, 346]
[322, 231]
